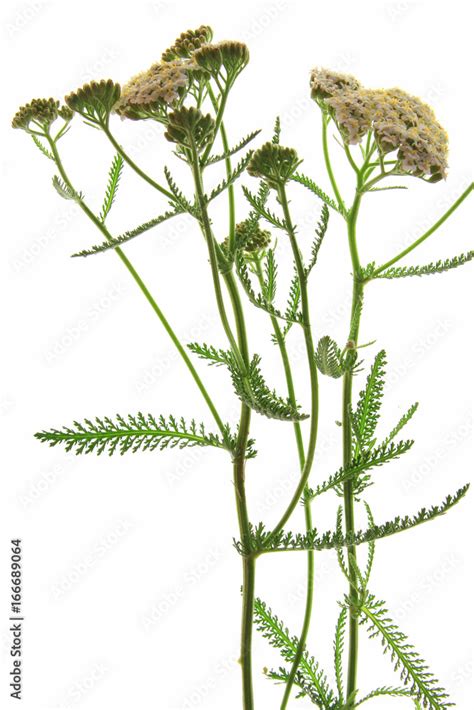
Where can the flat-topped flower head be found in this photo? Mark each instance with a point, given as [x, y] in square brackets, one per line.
[151, 92]
[95, 100]
[325, 83]
[39, 114]
[232, 56]
[190, 128]
[399, 122]
[274, 163]
[186, 44]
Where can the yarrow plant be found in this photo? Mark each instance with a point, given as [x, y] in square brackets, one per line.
[383, 134]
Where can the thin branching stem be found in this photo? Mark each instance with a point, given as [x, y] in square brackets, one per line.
[131, 163]
[309, 458]
[327, 159]
[347, 450]
[426, 234]
[143, 288]
[240, 351]
[307, 506]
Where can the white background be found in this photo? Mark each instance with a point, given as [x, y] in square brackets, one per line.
[131, 583]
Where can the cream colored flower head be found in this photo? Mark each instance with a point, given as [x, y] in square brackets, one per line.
[161, 83]
[400, 122]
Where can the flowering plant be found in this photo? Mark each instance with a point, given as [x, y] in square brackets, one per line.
[395, 134]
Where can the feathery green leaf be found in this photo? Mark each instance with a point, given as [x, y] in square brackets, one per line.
[65, 191]
[321, 230]
[132, 433]
[127, 236]
[227, 154]
[313, 677]
[437, 267]
[328, 358]
[413, 669]
[339, 652]
[262, 211]
[367, 413]
[311, 185]
[252, 389]
[234, 175]
[402, 423]
[259, 540]
[360, 464]
[42, 148]
[115, 174]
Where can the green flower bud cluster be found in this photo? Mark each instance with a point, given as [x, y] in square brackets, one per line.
[187, 43]
[274, 163]
[233, 56]
[190, 128]
[41, 113]
[95, 101]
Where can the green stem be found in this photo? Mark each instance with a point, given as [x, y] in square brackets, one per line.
[327, 160]
[240, 351]
[279, 337]
[427, 234]
[138, 280]
[308, 337]
[228, 167]
[307, 461]
[135, 167]
[357, 294]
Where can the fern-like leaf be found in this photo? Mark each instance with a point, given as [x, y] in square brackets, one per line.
[385, 691]
[252, 389]
[359, 465]
[259, 540]
[270, 276]
[311, 185]
[310, 678]
[259, 299]
[41, 147]
[131, 433]
[339, 652]
[328, 358]
[215, 356]
[401, 423]
[388, 187]
[242, 144]
[292, 314]
[180, 201]
[367, 413]
[437, 267]
[371, 548]
[413, 669]
[127, 236]
[321, 230]
[65, 191]
[115, 173]
[262, 211]
[234, 175]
